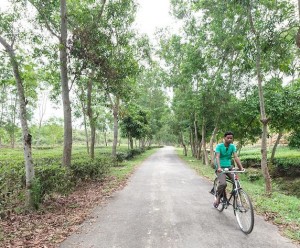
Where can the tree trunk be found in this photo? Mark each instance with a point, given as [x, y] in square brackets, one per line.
[205, 155]
[183, 144]
[85, 124]
[86, 134]
[116, 126]
[275, 146]
[67, 153]
[192, 142]
[23, 118]
[12, 132]
[264, 119]
[91, 118]
[105, 138]
[42, 109]
[199, 151]
[211, 147]
[196, 138]
[130, 142]
[298, 34]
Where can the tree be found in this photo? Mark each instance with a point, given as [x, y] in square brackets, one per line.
[46, 10]
[151, 97]
[104, 47]
[135, 123]
[298, 34]
[27, 138]
[242, 39]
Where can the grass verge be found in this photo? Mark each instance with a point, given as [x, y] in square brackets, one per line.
[280, 209]
[124, 171]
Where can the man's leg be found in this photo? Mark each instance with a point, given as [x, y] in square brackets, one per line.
[221, 187]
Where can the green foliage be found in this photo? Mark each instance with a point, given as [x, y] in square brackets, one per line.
[253, 161]
[96, 169]
[285, 164]
[287, 167]
[12, 183]
[130, 154]
[36, 192]
[294, 140]
[135, 123]
[288, 185]
[53, 178]
[50, 176]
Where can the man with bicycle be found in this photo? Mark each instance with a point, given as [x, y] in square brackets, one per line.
[223, 155]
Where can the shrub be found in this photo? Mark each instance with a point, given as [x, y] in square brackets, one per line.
[121, 156]
[253, 177]
[294, 140]
[83, 169]
[12, 184]
[287, 167]
[251, 162]
[130, 154]
[53, 178]
[36, 192]
[50, 176]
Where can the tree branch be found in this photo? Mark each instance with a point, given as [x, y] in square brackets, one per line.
[46, 22]
[102, 10]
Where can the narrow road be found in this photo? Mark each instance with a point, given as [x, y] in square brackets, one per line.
[167, 205]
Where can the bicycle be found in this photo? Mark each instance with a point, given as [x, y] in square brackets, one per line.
[239, 199]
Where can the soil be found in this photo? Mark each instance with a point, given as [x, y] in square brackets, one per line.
[57, 217]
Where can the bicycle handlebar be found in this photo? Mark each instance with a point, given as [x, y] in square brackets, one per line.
[233, 170]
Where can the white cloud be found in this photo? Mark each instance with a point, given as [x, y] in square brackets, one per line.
[153, 14]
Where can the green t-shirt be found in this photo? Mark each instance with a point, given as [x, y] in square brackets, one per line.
[225, 154]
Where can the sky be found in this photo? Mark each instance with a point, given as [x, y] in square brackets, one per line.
[153, 14]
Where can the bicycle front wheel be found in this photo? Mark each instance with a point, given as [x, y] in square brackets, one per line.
[243, 211]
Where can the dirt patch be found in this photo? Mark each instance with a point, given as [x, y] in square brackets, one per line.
[57, 218]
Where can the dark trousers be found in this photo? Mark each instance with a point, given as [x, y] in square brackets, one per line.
[222, 182]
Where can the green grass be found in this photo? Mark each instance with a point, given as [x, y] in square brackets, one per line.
[281, 209]
[127, 167]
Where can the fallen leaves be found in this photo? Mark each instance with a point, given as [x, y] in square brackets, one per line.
[57, 218]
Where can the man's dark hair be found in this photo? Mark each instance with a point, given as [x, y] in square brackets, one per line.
[228, 133]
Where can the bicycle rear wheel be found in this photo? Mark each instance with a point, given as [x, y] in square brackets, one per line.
[243, 211]
[221, 206]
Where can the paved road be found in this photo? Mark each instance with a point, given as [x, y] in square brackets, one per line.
[167, 205]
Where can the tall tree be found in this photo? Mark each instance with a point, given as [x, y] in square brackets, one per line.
[67, 152]
[46, 15]
[298, 34]
[264, 119]
[27, 138]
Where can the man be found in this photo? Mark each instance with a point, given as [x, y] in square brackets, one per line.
[224, 152]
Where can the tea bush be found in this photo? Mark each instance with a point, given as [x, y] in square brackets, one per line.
[50, 176]
[289, 167]
[84, 169]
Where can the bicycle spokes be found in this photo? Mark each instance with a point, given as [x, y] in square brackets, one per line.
[244, 211]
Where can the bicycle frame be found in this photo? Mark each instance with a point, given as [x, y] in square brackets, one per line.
[241, 203]
[235, 187]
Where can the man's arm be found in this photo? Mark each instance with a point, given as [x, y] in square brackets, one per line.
[218, 162]
[238, 161]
